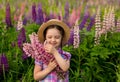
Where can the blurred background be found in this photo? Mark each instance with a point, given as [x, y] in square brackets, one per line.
[94, 40]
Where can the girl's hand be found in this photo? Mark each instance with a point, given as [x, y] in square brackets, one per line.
[52, 65]
[49, 48]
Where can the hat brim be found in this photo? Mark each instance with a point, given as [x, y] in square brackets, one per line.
[54, 22]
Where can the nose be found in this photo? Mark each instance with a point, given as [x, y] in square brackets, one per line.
[53, 39]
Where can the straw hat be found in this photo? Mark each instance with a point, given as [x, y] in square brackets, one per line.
[54, 22]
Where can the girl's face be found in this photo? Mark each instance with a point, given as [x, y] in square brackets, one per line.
[53, 37]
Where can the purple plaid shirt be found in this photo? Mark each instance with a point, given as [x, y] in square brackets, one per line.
[52, 77]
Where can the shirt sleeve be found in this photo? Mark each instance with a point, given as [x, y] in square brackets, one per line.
[38, 63]
[66, 55]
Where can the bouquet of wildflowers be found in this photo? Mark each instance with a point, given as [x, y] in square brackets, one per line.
[36, 50]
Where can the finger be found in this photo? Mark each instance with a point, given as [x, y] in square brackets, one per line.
[54, 64]
[52, 60]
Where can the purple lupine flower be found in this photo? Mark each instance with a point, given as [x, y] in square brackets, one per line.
[8, 16]
[13, 44]
[25, 21]
[84, 20]
[34, 14]
[23, 34]
[51, 16]
[24, 56]
[92, 22]
[59, 17]
[46, 18]
[40, 18]
[3, 63]
[21, 37]
[70, 41]
[66, 16]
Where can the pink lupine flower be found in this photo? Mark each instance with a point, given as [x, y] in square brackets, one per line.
[76, 35]
[118, 25]
[16, 14]
[28, 49]
[75, 15]
[20, 23]
[72, 17]
[108, 22]
[36, 51]
[97, 26]
[60, 16]
[112, 19]
[22, 9]
[104, 23]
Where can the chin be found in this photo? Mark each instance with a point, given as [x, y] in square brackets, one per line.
[56, 47]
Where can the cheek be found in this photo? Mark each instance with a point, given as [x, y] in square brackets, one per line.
[59, 41]
[48, 40]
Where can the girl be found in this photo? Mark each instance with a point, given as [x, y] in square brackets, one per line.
[53, 34]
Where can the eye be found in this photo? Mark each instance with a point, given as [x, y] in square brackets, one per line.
[57, 37]
[49, 37]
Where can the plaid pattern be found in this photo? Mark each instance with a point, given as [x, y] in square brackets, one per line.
[52, 77]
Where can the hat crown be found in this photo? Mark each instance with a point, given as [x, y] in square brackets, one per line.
[54, 22]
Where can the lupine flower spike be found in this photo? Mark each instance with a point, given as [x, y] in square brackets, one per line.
[118, 25]
[76, 35]
[20, 23]
[8, 16]
[40, 18]
[66, 16]
[34, 14]
[70, 41]
[92, 21]
[112, 19]
[104, 23]
[97, 27]
[3, 63]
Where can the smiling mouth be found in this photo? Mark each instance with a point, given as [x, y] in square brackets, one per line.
[53, 43]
